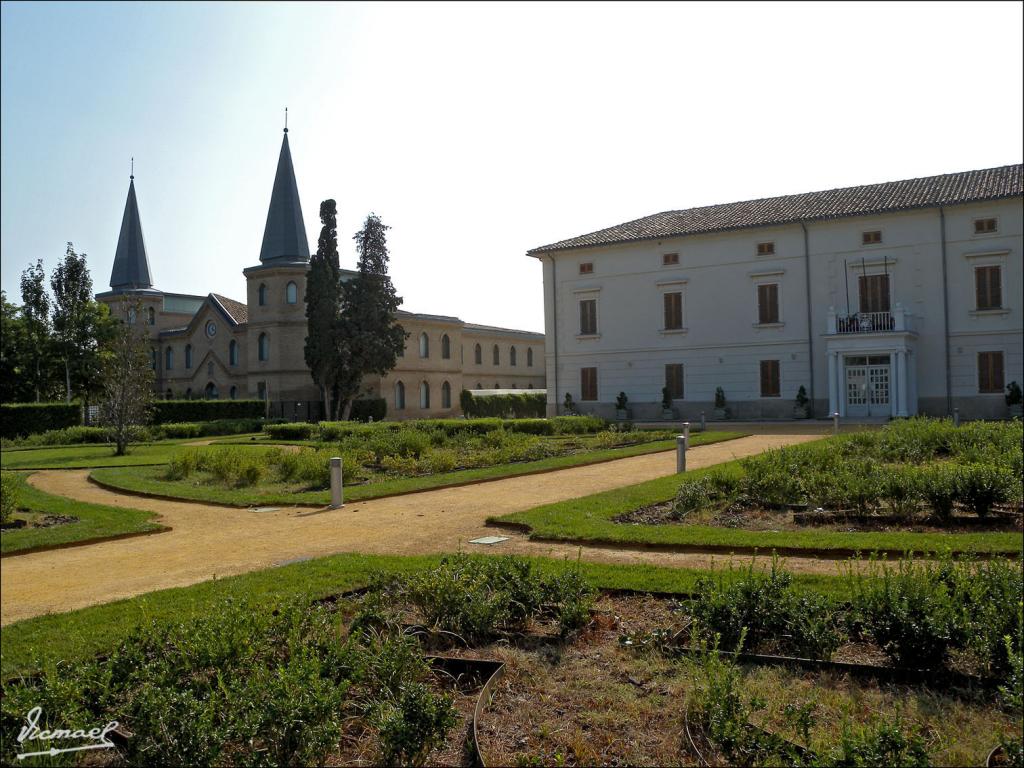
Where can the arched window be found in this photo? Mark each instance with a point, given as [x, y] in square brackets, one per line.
[446, 395]
[399, 396]
[211, 391]
[424, 345]
[233, 353]
[446, 348]
[478, 355]
[512, 356]
[151, 316]
[424, 395]
[234, 393]
[263, 294]
[188, 355]
[152, 357]
[263, 351]
[496, 355]
[291, 293]
[529, 357]
[169, 359]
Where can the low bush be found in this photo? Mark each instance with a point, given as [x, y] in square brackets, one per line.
[980, 486]
[178, 411]
[577, 425]
[901, 487]
[881, 742]
[10, 491]
[214, 428]
[693, 496]
[298, 430]
[940, 487]
[20, 419]
[520, 405]
[74, 436]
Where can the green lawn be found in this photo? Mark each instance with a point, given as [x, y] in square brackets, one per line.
[589, 520]
[150, 479]
[95, 521]
[32, 643]
[89, 456]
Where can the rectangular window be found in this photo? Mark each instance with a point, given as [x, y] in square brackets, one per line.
[669, 258]
[874, 293]
[588, 317]
[586, 268]
[990, 372]
[768, 303]
[984, 226]
[770, 385]
[765, 249]
[988, 288]
[588, 384]
[871, 238]
[674, 380]
[673, 311]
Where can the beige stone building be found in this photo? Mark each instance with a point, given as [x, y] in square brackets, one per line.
[210, 346]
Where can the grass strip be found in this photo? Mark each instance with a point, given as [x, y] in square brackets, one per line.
[31, 644]
[95, 521]
[588, 519]
[150, 479]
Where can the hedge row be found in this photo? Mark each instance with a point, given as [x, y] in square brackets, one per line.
[19, 419]
[177, 411]
[519, 406]
[335, 430]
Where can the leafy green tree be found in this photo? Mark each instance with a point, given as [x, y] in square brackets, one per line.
[369, 324]
[35, 312]
[323, 306]
[15, 384]
[79, 323]
[127, 380]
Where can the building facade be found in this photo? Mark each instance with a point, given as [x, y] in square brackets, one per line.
[211, 346]
[881, 301]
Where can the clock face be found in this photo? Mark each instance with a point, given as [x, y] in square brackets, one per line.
[211, 329]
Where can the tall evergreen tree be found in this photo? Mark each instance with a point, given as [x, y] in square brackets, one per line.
[78, 323]
[369, 318]
[35, 311]
[323, 306]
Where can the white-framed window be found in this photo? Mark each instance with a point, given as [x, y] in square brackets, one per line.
[588, 317]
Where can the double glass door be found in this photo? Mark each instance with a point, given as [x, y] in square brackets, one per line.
[867, 385]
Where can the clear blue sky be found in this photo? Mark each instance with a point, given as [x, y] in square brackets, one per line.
[476, 131]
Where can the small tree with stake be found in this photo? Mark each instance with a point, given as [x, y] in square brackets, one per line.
[127, 391]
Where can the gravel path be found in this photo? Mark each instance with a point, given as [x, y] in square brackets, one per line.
[208, 541]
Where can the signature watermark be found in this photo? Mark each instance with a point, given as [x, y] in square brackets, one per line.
[95, 738]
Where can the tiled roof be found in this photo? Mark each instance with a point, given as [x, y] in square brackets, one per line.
[471, 327]
[421, 316]
[948, 189]
[238, 311]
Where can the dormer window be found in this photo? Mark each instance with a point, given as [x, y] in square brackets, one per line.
[766, 249]
[874, 237]
[587, 268]
[985, 226]
[669, 258]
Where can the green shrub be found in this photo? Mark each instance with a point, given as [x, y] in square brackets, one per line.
[882, 742]
[577, 425]
[298, 430]
[412, 723]
[177, 411]
[982, 485]
[20, 419]
[520, 405]
[183, 463]
[530, 426]
[182, 430]
[940, 487]
[901, 487]
[692, 496]
[209, 428]
[10, 493]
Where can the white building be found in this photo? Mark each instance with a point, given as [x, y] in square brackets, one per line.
[884, 300]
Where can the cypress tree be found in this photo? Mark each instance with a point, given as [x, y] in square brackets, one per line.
[323, 306]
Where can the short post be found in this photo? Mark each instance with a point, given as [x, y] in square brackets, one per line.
[703, 426]
[686, 432]
[337, 491]
[956, 417]
[835, 423]
[681, 453]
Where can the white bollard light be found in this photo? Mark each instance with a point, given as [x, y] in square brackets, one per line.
[337, 491]
[835, 423]
[686, 432]
[681, 442]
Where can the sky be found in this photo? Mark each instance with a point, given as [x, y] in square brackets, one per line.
[476, 131]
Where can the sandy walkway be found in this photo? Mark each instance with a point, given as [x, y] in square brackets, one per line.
[207, 542]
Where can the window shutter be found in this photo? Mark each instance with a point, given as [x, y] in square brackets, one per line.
[764, 377]
[995, 293]
[979, 288]
[997, 371]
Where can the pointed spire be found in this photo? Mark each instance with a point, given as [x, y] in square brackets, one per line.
[285, 233]
[131, 265]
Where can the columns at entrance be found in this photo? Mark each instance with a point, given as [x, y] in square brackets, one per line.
[833, 382]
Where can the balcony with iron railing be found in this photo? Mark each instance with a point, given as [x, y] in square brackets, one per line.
[895, 321]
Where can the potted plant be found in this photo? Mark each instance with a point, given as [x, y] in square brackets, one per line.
[1014, 399]
[721, 412]
[621, 412]
[568, 405]
[666, 405]
[800, 407]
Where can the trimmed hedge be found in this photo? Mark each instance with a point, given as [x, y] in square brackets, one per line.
[520, 406]
[298, 430]
[177, 411]
[19, 419]
[210, 428]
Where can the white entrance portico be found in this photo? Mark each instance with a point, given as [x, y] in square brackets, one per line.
[871, 364]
